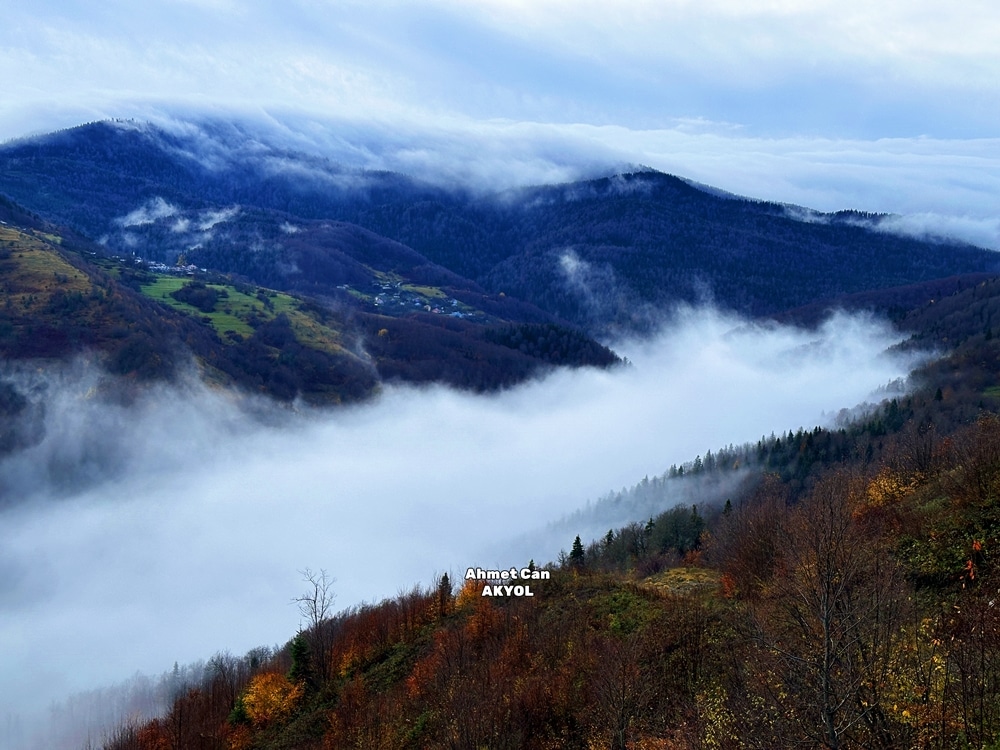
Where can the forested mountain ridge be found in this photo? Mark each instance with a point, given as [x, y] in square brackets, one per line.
[472, 289]
[607, 254]
[63, 297]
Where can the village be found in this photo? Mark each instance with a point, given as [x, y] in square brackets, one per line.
[396, 298]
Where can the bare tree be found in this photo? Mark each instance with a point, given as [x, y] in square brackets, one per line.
[316, 608]
[829, 621]
[621, 690]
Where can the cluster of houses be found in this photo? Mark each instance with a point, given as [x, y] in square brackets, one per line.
[395, 296]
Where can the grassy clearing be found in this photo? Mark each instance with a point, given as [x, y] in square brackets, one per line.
[231, 312]
[36, 270]
[431, 292]
[683, 580]
[992, 392]
[162, 288]
[235, 310]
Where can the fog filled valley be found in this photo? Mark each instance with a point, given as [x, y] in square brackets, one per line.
[233, 363]
[164, 530]
[443, 375]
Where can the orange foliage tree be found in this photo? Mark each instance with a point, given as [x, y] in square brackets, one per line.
[270, 698]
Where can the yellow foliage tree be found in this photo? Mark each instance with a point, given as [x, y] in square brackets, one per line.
[887, 488]
[470, 593]
[271, 697]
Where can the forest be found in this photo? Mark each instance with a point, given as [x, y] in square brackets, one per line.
[844, 595]
[64, 298]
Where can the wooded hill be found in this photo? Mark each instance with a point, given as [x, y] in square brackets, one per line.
[64, 297]
[605, 254]
[312, 280]
[844, 597]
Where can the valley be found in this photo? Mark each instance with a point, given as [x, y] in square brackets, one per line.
[271, 361]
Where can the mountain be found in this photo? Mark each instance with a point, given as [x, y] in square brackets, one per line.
[606, 255]
[63, 297]
[288, 275]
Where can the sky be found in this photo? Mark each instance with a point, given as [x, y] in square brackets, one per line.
[890, 106]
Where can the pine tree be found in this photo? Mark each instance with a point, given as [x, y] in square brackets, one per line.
[301, 670]
[576, 553]
[444, 595]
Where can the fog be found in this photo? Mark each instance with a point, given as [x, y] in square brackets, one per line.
[937, 188]
[887, 108]
[984, 232]
[176, 526]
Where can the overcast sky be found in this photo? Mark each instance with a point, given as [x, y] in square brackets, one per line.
[886, 106]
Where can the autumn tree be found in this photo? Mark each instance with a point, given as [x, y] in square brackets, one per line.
[270, 698]
[620, 690]
[826, 625]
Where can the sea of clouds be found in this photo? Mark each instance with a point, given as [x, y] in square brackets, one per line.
[175, 525]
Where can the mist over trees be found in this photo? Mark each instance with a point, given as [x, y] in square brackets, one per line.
[818, 587]
[838, 595]
[787, 618]
[604, 254]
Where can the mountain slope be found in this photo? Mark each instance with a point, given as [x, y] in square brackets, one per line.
[62, 298]
[855, 580]
[60, 303]
[605, 254]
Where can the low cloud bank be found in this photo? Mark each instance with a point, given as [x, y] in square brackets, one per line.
[195, 517]
[933, 187]
[936, 187]
[984, 232]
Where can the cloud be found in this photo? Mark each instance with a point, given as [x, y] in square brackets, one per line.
[829, 68]
[952, 178]
[984, 232]
[173, 527]
[826, 105]
[148, 213]
[599, 294]
[211, 219]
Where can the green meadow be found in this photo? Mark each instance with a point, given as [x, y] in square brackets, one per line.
[235, 311]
